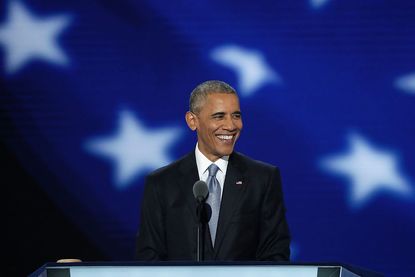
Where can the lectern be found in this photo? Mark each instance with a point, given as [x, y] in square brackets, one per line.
[204, 269]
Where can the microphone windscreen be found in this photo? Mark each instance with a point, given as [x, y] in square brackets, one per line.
[200, 190]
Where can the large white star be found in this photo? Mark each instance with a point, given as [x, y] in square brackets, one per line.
[26, 38]
[406, 83]
[134, 149]
[369, 169]
[250, 65]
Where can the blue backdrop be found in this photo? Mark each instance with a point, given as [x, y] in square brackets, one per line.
[97, 91]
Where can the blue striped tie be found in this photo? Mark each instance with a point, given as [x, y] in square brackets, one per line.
[213, 200]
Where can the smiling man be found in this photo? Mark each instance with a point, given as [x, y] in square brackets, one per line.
[216, 117]
[248, 214]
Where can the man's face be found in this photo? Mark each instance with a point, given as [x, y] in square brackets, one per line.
[218, 125]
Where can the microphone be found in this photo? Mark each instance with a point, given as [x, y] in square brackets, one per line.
[200, 191]
[203, 210]
[203, 213]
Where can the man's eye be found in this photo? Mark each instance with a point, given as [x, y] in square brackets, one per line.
[237, 116]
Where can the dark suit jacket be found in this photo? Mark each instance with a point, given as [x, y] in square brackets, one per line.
[251, 226]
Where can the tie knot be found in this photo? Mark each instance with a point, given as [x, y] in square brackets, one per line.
[213, 169]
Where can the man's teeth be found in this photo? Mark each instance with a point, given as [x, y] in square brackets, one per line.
[225, 137]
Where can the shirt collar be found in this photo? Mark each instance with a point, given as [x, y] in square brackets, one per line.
[203, 163]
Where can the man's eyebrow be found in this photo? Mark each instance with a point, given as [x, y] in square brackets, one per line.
[237, 112]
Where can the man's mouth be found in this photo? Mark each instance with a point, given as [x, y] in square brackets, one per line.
[225, 138]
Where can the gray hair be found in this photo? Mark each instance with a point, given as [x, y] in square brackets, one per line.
[201, 92]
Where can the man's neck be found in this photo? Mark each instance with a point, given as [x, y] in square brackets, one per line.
[213, 158]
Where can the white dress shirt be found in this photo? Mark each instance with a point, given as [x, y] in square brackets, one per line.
[202, 167]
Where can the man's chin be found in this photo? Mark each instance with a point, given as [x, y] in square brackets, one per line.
[226, 152]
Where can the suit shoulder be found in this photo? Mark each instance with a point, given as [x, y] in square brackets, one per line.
[253, 164]
[171, 169]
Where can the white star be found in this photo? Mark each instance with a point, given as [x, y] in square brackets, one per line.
[134, 149]
[250, 66]
[318, 3]
[406, 83]
[25, 38]
[369, 169]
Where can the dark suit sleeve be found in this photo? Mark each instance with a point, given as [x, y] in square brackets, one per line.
[151, 234]
[274, 238]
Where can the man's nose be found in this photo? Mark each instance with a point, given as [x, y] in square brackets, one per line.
[229, 124]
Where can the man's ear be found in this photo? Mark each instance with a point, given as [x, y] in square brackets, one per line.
[191, 120]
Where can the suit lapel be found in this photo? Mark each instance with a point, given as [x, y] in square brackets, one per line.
[232, 191]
